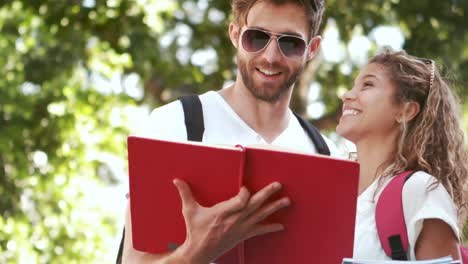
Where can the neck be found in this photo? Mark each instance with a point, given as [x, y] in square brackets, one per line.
[269, 119]
[374, 156]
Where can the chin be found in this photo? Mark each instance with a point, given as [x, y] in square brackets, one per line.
[340, 130]
[345, 132]
[268, 94]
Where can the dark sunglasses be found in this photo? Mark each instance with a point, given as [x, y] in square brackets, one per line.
[255, 40]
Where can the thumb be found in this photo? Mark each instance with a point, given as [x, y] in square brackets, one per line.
[184, 192]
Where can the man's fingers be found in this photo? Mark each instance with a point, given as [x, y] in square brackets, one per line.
[184, 192]
[261, 196]
[264, 229]
[268, 209]
[236, 203]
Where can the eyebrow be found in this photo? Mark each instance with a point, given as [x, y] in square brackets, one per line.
[373, 76]
[290, 33]
[370, 76]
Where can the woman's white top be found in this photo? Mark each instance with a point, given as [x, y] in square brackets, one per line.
[418, 204]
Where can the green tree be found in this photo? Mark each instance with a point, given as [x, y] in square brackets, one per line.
[55, 126]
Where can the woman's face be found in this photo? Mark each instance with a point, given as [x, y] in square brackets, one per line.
[369, 108]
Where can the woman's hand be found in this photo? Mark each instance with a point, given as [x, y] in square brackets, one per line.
[213, 231]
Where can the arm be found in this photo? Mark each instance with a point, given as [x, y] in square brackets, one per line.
[130, 255]
[431, 218]
[213, 231]
[436, 240]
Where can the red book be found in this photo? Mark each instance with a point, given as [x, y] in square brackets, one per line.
[319, 223]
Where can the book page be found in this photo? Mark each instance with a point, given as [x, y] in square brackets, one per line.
[443, 260]
[196, 143]
[287, 150]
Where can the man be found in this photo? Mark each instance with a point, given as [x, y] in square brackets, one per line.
[274, 40]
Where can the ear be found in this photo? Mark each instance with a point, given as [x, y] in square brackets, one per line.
[409, 111]
[234, 33]
[313, 47]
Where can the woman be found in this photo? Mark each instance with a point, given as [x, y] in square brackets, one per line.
[402, 115]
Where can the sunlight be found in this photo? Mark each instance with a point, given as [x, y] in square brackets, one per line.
[388, 36]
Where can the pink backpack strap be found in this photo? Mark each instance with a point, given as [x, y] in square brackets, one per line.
[390, 220]
[464, 254]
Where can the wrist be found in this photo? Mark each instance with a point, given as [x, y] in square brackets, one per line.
[186, 255]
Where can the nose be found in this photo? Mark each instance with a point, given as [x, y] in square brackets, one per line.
[272, 52]
[348, 95]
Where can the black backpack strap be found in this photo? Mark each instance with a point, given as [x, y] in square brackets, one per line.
[119, 254]
[194, 123]
[193, 113]
[314, 135]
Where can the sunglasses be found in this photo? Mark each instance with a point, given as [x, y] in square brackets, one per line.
[255, 40]
[425, 61]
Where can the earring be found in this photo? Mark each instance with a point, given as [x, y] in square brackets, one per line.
[400, 118]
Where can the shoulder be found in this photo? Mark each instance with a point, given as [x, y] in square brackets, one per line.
[423, 198]
[423, 184]
[209, 97]
[165, 122]
[168, 121]
[213, 104]
[170, 110]
[423, 189]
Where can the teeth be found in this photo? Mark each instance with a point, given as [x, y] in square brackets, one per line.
[267, 72]
[350, 112]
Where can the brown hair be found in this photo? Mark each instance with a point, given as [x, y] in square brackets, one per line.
[313, 8]
[433, 141]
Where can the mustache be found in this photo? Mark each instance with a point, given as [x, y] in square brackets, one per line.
[270, 66]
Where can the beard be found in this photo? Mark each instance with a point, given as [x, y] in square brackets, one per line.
[270, 93]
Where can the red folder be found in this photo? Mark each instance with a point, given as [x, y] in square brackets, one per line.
[319, 222]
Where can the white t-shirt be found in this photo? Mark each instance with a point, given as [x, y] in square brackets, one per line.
[418, 204]
[224, 126]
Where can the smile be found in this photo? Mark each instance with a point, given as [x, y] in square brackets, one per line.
[267, 72]
[350, 112]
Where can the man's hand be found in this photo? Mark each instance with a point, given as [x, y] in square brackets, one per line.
[213, 231]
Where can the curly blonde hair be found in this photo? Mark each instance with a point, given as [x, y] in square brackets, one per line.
[433, 141]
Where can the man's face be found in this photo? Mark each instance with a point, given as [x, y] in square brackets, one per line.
[268, 74]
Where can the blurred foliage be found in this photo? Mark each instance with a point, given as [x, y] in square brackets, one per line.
[63, 92]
